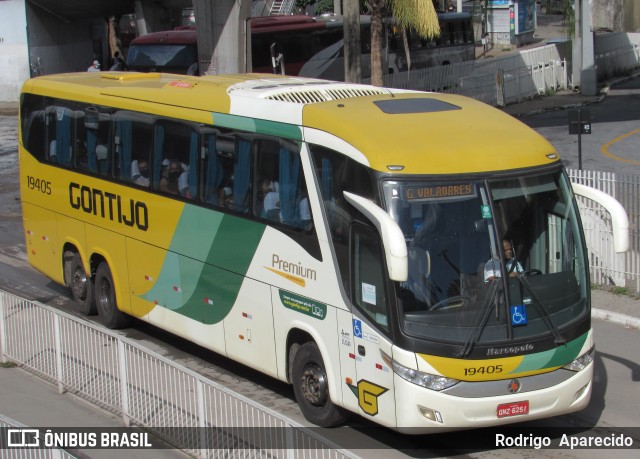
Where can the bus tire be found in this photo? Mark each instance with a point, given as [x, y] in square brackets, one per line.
[311, 388]
[82, 286]
[105, 297]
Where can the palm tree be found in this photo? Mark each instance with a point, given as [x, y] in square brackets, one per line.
[419, 15]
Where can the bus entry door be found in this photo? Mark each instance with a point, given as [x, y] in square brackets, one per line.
[374, 385]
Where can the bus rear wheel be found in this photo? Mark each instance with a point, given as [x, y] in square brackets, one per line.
[106, 303]
[311, 388]
[82, 286]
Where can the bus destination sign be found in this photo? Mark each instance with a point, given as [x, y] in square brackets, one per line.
[420, 193]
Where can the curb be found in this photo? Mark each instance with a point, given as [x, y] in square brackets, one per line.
[623, 319]
[603, 93]
[596, 100]
[11, 111]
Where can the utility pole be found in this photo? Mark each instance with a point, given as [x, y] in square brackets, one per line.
[584, 72]
[352, 53]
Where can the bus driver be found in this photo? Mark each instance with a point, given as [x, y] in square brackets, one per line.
[492, 269]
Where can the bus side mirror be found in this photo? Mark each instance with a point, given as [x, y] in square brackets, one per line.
[619, 218]
[394, 244]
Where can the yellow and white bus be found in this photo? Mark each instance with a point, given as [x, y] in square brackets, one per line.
[330, 235]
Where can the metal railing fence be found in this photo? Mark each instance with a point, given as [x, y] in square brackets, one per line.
[497, 81]
[523, 75]
[608, 267]
[178, 405]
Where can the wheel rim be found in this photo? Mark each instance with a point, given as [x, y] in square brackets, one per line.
[104, 296]
[79, 284]
[314, 385]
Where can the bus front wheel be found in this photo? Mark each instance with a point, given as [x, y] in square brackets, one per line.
[311, 388]
[82, 286]
[106, 303]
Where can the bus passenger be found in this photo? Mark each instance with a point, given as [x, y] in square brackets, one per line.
[305, 213]
[140, 172]
[228, 199]
[271, 202]
[183, 183]
[171, 177]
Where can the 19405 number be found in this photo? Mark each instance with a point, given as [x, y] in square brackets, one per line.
[43, 186]
[488, 370]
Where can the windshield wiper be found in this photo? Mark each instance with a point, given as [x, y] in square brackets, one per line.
[559, 340]
[480, 320]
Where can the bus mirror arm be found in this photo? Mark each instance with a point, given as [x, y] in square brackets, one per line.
[277, 59]
[393, 242]
[619, 218]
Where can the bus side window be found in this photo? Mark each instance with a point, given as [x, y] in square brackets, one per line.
[267, 187]
[191, 186]
[177, 147]
[102, 158]
[212, 170]
[33, 125]
[132, 141]
[61, 122]
[280, 191]
[335, 174]
[368, 278]
[241, 176]
[218, 181]
[94, 135]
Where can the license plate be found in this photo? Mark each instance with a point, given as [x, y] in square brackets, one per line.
[513, 409]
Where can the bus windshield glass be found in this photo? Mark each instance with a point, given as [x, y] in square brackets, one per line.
[462, 236]
[161, 56]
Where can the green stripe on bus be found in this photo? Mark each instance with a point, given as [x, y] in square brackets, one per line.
[557, 357]
[242, 123]
[216, 251]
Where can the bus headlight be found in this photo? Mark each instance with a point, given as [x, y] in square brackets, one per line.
[581, 362]
[427, 380]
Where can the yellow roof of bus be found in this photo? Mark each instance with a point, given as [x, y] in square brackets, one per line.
[469, 137]
[454, 134]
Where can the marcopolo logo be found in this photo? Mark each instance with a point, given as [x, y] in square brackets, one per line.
[303, 305]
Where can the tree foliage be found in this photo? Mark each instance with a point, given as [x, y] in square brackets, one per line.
[321, 6]
[419, 15]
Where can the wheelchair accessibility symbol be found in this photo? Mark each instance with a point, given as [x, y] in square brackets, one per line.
[518, 315]
[357, 328]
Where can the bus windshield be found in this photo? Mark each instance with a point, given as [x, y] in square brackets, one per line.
[161, 57]
[457, 233]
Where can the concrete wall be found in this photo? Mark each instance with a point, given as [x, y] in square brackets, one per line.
[632, 16]
[51, 43]
[14, 55]
[66, 46]
[615, 15]
[606, 15]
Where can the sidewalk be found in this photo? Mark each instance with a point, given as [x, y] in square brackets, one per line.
[619, 308]
[34, 402]
[8, 108]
